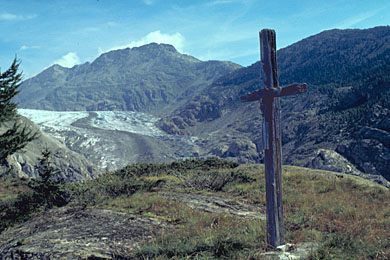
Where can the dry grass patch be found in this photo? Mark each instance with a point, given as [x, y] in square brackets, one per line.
[10, 188]
[349, 217]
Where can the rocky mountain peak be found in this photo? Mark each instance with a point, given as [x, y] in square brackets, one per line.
[156, 46]
[55, 70]
[150, 78]
[149, 53]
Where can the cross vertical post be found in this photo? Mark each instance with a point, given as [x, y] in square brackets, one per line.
[272, 142]
[269, 95]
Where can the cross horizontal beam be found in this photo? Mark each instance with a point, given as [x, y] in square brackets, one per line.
[296, 88]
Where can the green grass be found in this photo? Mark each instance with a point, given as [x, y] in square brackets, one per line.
[347, 216]
[10, 188]
[207, 237]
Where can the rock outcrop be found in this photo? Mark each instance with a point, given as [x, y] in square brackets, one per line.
[333, 161]
[370, 151]
[66, 233]
[74, 167]
[291, 251]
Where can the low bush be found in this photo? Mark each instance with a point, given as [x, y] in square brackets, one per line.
[214, 180]
[19, 209]
[148, 169]
[108, 186]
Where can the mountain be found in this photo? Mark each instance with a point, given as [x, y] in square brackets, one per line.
[341, 123]
[74, 167]
[152, 78]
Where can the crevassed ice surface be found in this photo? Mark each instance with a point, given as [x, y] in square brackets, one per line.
[128, 121]
[104, 147]
[54, 119]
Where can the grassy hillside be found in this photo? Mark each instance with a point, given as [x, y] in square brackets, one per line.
[213, 209]
[10, 188]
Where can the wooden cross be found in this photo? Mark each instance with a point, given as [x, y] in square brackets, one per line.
[272, 142]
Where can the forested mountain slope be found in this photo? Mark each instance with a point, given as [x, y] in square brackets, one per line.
[345, 112]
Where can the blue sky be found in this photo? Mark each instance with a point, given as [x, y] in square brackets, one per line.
[69, 32]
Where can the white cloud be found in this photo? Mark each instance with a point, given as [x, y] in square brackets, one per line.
[112, 24]
[68, 60]
[101, 51]
[219, 2]
[176, 39]
[91, 29]
[148, 2]
[25, 47]
[14, 17]
[224, 2]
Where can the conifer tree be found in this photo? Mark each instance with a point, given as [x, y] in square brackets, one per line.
[47, 185]
[46, 171]
[16, 137]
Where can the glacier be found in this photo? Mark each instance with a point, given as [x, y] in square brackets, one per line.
[113, 139]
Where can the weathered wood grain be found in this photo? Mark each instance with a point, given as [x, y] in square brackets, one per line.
[269, 96]
[273, 155]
